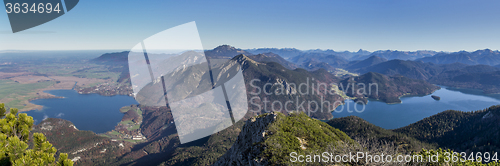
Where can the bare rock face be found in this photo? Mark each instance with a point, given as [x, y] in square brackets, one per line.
[244, 151]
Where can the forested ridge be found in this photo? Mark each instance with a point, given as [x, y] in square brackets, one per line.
[462, 131]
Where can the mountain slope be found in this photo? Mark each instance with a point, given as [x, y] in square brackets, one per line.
[271, 57]
[360, 129]
[461, 131]
[384, 88]
[116, 62]
[110, 58]
[272, 82]
[484, 77]
[410, 69]
[84, 147]
[373, 60]
[270, 138]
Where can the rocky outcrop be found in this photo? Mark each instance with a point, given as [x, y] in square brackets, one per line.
[269, 139]
[243, 152]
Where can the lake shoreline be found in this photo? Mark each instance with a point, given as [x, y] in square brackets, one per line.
[417, 107]
[81, 109]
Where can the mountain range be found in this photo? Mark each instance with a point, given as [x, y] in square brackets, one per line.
[435, 67]
[270, 68]
[403, 55]
[459, 75]
[361, 54]
[284, 132]
[485, 57]
[308, 59]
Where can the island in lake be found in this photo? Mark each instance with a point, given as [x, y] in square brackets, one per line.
[436, 97]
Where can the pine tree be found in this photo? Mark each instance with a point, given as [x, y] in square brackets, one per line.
[14, 137]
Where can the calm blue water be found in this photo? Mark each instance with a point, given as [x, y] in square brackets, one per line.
[87, 111]
[413, 109]
[101, 113]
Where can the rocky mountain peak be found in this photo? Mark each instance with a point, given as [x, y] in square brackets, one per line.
[224, 48]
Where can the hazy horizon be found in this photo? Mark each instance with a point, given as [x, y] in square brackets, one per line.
[337, 25]
[340, 50]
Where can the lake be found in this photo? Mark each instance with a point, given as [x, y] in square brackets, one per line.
[86, 111]
[101, 113]
[415, 108]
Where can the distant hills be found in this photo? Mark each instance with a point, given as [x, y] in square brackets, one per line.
[459, 75]
[116, 62]
[117, 57]
[308, 59]
[410, 69]
[485, 57]
[283, 52]
[292, 52]
[338, 59]
[352, 56]
[359, 64]
[403, 55]
[484, 77]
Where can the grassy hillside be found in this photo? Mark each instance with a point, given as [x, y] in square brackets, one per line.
[269, 139]
[299, 133]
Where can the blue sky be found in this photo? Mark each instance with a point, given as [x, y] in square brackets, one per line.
[339, 25]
